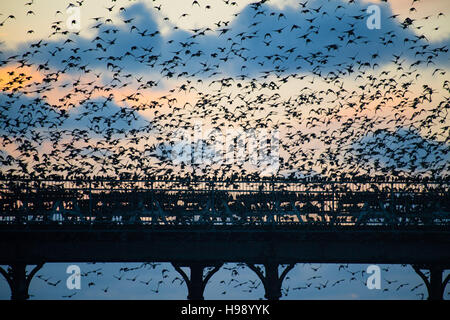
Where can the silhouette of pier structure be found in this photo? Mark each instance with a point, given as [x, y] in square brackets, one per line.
[205, 223]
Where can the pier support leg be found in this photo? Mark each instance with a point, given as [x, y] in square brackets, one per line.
[434, 283]
[197, 282]
[271, 280]
[18, 280]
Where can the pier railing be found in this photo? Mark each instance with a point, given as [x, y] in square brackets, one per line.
[188, 202]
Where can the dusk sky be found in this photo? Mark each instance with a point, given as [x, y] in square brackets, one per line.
[129, 81]
[233, 281]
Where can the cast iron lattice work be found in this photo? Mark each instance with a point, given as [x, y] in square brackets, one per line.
[187, 202]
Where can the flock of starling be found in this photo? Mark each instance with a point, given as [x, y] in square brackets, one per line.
[347, 101]
[304, 279]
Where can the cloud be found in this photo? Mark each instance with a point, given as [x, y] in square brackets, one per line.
[261, 39]
[404, 150]
[27, 114]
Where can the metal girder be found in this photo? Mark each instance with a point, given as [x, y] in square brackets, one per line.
[222, 202]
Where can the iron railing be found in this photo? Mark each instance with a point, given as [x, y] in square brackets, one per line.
[188, 202]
